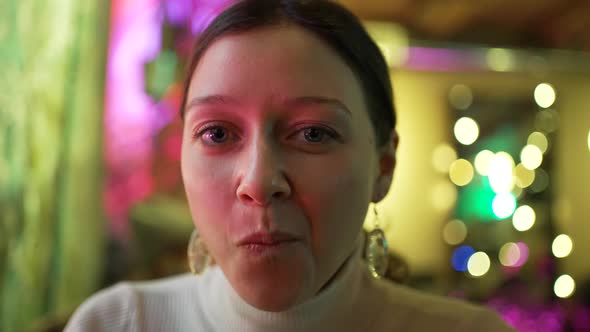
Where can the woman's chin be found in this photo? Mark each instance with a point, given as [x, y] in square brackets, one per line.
[271, 300]
[274, 283]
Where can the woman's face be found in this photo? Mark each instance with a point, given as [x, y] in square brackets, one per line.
[279, 162]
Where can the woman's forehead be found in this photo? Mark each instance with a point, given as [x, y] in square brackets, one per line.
[276, 60]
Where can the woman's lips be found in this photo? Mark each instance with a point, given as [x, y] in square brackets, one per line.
[268, 239]
[267, 242]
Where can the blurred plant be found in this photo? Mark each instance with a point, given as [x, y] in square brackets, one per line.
[52, 55]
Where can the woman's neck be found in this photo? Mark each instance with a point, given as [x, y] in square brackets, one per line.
[328, 308]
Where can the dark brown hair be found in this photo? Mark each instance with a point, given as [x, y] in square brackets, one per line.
[331, 22]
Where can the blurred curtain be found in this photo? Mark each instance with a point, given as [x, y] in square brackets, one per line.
[52, 66]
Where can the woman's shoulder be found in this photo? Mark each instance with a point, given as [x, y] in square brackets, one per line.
[420, 311]
[126, 305]
[111, 309]
[165, 287]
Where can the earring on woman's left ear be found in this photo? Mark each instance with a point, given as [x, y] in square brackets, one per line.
[198, 254]
[376, 250]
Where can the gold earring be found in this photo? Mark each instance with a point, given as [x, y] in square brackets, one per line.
[198, 254]
[376, 251]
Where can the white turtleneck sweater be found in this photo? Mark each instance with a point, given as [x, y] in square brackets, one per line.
[353, 301]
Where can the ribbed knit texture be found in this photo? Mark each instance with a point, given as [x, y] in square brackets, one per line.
[354, 301]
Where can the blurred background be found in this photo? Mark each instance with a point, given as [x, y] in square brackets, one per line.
[491, 195]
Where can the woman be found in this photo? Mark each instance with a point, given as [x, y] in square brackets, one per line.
[288, 137]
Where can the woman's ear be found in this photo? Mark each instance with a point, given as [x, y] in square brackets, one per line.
[387, 162]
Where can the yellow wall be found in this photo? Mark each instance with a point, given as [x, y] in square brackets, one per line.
[573, 173]
[412, 223]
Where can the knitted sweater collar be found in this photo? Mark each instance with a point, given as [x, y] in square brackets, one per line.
[326, 311]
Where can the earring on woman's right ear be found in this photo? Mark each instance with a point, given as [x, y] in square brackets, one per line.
[198, 254]
[376, 251]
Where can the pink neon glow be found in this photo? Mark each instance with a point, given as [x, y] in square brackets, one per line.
[524, 254]
[424, 58]
[129, 113]
[132, 118]
[206, 12]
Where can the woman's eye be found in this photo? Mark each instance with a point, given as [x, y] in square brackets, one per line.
[317, 134]
[314, 134]
[214, 135]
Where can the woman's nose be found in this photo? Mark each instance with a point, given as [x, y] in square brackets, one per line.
[262, 177]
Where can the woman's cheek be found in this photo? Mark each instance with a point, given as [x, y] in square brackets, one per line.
[348, 191]
[210, 179]
[331, 190]
[336, 174]
[209, 199]
[206, 180]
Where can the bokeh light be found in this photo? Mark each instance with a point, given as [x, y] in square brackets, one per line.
[442, 157]
[466, 131]
[564, 286]
[443, 195]
[509, 254]
[454, 232]
[531, 157]
[541, 181]
[513, 254]
[482, 161]
[524, 254]
[500, 173]
[460, 257]
[461, 172]
[391, 39]
[547, 121]
[517, 192]
[562, 246]
[539, 140]
[523, 177]
[544, 95]
[460, 96]
[503, 205]
[478, 264]
[500, 59]
[523, 218]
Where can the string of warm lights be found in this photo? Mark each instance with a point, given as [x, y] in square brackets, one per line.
[507, 179]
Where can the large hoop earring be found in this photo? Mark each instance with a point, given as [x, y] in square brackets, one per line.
[198, 254]
[376, 251]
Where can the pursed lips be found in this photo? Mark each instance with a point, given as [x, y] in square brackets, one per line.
[267, 239]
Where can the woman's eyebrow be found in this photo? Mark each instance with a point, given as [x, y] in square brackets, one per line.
[295, 102]
[317, 100]
[210, 100]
